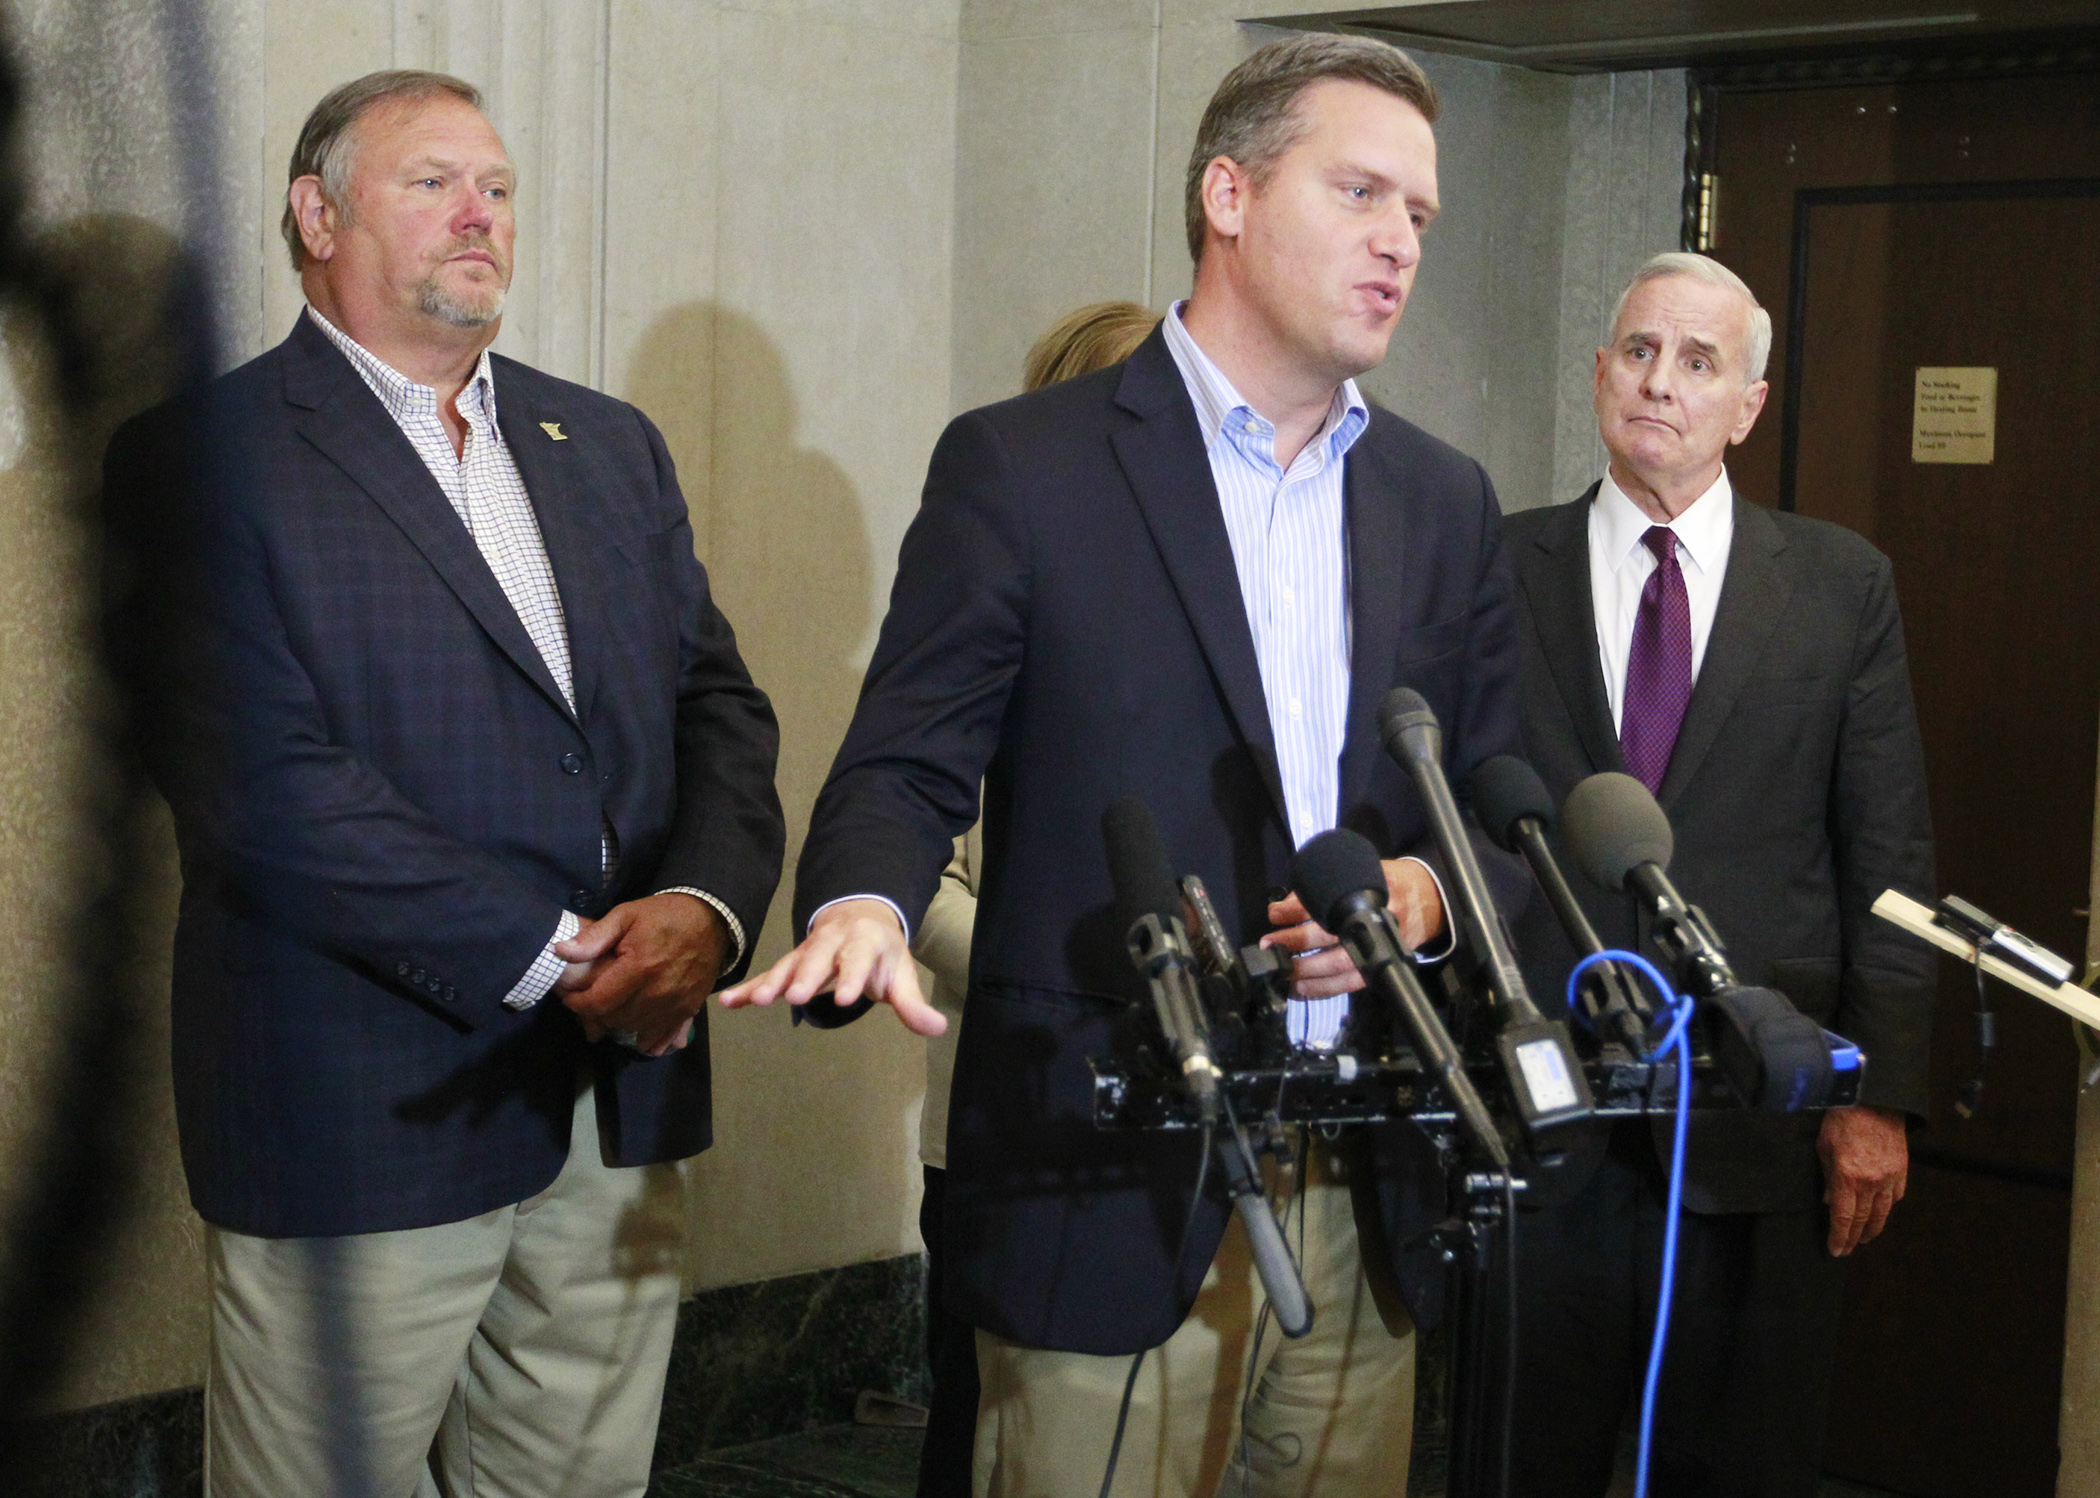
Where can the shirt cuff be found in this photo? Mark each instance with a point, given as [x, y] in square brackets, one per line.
[538, 981]
[736, 927]
[895, 910]
[1450, 942]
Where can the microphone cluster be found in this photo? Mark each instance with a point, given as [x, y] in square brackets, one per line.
[1209, 1000]
[1149, 904]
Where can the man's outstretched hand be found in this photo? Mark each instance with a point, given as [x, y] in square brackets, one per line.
[854, 949]
[645, 967]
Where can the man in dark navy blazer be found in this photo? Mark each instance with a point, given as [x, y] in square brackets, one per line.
[475, 802]
[1790, 766]
[1191, 578]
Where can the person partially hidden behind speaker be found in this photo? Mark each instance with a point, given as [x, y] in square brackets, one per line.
[1749, 668]
[1190, 579]
[1085, 339]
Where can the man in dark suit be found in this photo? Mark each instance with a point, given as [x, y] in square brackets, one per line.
[1749, 666]
[475, 804]
[1190, 578]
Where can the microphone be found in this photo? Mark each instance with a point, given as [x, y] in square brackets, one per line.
[1545, 1078]
[1342, 884]
[1272, 1258]
[1251, 984]
[1148, 907]
[1623, 841]
[1774, 1056]
[1517, 813]
[1148, 902]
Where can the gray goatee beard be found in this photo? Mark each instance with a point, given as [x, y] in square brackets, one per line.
[477, 309]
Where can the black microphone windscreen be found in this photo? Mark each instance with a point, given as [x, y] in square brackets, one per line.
[1404, 708]
[1137, 864]
[1332, 867]
[1613, 826]
[1505, 791]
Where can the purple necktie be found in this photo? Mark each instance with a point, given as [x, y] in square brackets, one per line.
[1658, 667]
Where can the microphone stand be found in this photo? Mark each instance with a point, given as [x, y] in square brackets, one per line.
[1468, 1241]
[1621, 1005]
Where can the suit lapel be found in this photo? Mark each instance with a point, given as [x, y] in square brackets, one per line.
[1372, 498]
[1556, 580]
[556, 472]
[1753, 597]
[346, 423]
[1169, 472]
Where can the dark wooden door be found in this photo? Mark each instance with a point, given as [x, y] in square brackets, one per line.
[1888, 229]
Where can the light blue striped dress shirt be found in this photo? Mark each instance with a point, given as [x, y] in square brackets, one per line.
[1289, 534]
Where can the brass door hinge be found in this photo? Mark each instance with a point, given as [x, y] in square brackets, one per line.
[1709, 212]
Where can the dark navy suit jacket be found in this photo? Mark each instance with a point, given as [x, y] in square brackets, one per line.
[384, 804]
[1067, 624]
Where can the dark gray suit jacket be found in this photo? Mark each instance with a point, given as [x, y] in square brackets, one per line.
[1797, 794]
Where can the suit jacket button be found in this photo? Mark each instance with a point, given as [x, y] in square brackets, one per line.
[580, 898]
[571, 764]
[401, 970]
[451, 995]
[417, 977]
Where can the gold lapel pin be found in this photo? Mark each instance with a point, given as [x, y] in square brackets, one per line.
[553, 429]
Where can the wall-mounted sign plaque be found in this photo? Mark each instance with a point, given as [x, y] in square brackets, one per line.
[1954, 415]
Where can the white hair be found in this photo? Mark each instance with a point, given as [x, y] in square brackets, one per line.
[1711, 271]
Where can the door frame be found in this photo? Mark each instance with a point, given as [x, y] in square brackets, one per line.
[2013, 56]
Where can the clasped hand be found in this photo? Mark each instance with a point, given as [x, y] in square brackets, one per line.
[645, 967]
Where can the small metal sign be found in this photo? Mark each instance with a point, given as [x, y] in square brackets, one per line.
[1954, 415]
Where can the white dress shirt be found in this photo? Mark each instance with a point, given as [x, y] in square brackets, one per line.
[485, 490]
[1620, 564]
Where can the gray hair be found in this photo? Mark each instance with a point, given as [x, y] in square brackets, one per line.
[1253, 117]
[1712, 272]
[327, 143]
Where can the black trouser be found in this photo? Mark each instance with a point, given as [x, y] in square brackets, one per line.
[1746, 1378]
[951, 1354]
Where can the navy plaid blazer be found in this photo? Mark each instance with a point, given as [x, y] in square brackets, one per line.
[383, 802]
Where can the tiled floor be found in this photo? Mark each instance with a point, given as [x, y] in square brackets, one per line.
[846, 1461]
[835, 1461]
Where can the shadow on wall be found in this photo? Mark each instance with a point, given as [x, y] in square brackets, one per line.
[103, 321]
[781, 529]
[779, 526]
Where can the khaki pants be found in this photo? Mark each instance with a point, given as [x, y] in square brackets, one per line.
[521, 1352]
[1330, 1414]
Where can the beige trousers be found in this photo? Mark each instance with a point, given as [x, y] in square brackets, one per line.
[1330, 1414]
[518, 1354]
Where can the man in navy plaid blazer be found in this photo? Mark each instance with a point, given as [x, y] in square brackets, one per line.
[475, 801]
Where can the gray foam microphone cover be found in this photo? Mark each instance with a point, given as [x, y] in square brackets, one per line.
[1612, 826]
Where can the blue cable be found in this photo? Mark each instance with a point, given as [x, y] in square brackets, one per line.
[1681, 1013]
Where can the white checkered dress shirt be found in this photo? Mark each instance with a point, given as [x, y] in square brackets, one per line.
[489, 497]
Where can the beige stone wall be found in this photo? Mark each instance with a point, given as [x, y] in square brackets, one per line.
[1074, 130]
